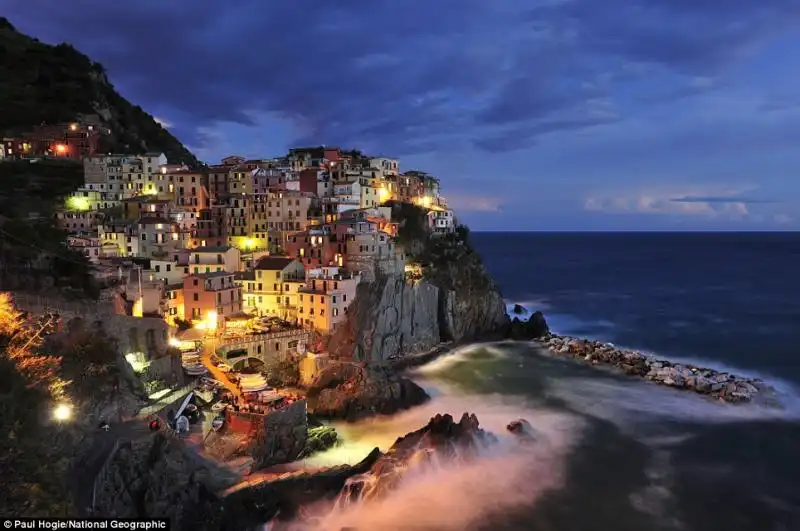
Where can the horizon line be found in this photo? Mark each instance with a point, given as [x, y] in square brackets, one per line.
[635, 231]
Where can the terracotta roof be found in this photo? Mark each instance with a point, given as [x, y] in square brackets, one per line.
[274, 263]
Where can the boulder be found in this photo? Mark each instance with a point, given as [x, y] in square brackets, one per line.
[720, 385]
[351, 392]
[534, 327]
[519, 309]
[520, 427]
[320, 438]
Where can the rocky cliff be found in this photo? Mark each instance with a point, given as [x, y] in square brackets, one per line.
[455, 300]
[353, 391]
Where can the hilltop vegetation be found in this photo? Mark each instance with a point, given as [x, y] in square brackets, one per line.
[33, 254]
[37, 188]
[42, 83]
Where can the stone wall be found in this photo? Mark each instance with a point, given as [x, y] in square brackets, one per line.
[149, 335]
[269, 348]
[311, 366]
[280, 436]
[285, 433]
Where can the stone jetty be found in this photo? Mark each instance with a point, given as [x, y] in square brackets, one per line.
[717, 384]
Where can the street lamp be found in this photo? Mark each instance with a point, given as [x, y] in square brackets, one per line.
[62, 412]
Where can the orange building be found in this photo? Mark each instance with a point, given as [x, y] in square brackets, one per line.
[210, 297]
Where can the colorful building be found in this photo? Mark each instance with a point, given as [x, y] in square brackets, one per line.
[325, 297]
[210, 297]
[215, 258]
[275, 287]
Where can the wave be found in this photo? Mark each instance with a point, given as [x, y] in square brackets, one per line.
[634, 403]
[467, 353]
[453, 497]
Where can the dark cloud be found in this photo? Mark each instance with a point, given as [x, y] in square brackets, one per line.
[400, 76]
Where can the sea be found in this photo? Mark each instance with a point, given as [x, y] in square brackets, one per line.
[610, 452]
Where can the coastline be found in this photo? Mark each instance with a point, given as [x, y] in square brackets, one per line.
[721, 385]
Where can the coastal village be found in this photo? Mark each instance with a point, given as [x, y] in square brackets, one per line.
[224, 287]
[225, 281]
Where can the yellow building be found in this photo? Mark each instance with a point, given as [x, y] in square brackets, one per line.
[277, 282]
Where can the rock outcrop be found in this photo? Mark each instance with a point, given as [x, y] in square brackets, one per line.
[455, 300]
[442, 440]
[389, 317]
[717, 384]
[532, 328]
[351, 391]
[157, 477]
[252, 505]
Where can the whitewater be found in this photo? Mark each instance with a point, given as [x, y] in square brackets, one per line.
[608, 448]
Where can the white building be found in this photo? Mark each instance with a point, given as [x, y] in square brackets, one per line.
[441, 221]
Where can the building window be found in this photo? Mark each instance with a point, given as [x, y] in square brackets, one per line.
[196, 297]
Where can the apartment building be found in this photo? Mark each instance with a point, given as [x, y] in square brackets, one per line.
[325, 297]
[210, 298]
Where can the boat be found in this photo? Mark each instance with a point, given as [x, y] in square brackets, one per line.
[253, 383]
[254, 387]
[195, 369]
[218, 422]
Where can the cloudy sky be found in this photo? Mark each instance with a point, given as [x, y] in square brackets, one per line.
[537, 115]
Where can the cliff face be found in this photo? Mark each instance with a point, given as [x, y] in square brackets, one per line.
[394, 316]
[388, 317]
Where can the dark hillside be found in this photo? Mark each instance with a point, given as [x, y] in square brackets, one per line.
[42, 83]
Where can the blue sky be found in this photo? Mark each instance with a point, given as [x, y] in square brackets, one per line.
[537, 115]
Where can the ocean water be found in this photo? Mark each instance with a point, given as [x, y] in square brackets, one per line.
[612, 452]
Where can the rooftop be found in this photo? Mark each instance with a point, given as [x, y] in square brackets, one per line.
[215, 274]
[245, 275]
[212, 249]
[274, 263]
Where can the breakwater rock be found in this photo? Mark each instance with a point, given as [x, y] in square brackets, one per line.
[351, 391]
[718, 384]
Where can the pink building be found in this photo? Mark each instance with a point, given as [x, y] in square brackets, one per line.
[324, 299]
[317, 247]
[210, 297]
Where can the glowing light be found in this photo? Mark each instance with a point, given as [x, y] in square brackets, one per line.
[61, 149]
[384, 195]
[78, 203]
[62, 412]
[249, 243]
[138, 308]
[73, 127]
[211, 320]
[137, 362]
[175, 342]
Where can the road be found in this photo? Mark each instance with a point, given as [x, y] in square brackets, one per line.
[85, 471]
[208, 351]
